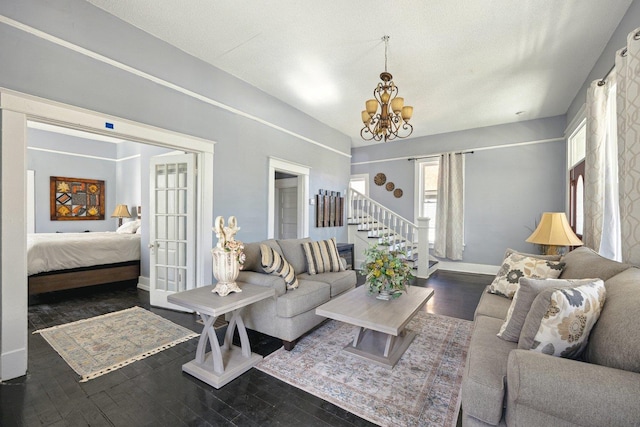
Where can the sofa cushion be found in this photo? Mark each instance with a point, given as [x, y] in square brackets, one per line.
[253, 255]
[339, 282]
[274, 263]
[293, 252]
[516, 266]
[522, 300]
[483, 387]
[583, 263]
[560, 320]
[615, 338]
[308, 296]
[263, 279]
[492, 305]
[322, 256]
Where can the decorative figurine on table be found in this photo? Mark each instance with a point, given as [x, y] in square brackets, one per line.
[228, 256]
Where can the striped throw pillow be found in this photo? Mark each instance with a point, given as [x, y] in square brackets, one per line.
[322, 256]
[273, 263]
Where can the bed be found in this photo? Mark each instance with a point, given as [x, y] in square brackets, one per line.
[57, 261]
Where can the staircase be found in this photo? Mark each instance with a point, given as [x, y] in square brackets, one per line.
[370, 222]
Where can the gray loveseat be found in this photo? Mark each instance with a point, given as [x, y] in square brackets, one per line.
[504, 385]
[291, 313]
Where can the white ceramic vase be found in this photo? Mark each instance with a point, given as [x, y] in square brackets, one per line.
[225, 270]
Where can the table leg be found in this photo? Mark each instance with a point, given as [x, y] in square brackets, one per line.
[209, 335]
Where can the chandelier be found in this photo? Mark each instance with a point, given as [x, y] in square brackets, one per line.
[386, 117]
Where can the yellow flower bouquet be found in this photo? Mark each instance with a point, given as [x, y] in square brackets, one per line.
[387, 272]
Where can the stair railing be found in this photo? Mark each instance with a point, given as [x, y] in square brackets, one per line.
[366, 211]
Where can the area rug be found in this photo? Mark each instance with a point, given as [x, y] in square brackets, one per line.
[423, 389]
[102, 344]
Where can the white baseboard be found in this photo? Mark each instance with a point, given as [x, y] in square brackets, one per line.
[144, 283]
[14, 364]
[465, 267]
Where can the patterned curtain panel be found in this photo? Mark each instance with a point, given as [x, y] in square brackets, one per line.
[449, 237]
[594, 163]
[628, 110]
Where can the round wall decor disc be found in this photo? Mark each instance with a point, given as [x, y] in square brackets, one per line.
[390, 186]
[397, 192]
[380, 179]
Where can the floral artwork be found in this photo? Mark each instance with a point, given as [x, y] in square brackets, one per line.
[76, 199]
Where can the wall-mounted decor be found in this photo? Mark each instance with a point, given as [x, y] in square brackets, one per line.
[380, 179]
[76, 199]
[329, 209]
[390, 186]
[397, 192]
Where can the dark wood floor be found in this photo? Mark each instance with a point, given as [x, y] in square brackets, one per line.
[155, 392]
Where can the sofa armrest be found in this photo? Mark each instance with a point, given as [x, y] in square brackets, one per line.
[546, 387]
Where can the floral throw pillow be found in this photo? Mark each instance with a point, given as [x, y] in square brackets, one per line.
[516, 266]
[570, 315]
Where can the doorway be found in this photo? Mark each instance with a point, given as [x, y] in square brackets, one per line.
[286, 199]
[15, 110]
[300, 174]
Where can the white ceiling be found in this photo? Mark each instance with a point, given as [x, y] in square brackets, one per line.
[461, 64]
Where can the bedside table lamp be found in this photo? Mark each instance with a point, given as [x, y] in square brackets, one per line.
[554, 233]
[120, 212]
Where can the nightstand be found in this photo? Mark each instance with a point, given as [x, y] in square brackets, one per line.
[345, 250]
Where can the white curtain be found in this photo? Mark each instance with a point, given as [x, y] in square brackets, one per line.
[627, 66]
[449, 237]
[601, 206]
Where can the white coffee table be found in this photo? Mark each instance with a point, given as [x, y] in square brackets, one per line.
[381, 336]
[227, 361]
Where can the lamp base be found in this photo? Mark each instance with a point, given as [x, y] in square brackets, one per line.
[553, 250]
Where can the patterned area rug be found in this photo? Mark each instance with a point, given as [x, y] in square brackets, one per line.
[423, 389]
[99, 345]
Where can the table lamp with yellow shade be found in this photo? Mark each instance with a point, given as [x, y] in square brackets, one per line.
[121, 211]
[554, 233]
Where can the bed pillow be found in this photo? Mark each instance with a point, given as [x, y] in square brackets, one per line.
[527, 292]
[274, 263]
[322, 256]
[518, 265]
[560, 320]
[129, 227]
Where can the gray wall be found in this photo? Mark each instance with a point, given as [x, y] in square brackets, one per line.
[618, 40]
[507, 188]
[47, 164]
[35, 66]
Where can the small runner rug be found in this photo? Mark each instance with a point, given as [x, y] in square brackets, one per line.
[102, 344]
[423, 389]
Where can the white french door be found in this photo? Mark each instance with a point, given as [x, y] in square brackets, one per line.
[172, 227]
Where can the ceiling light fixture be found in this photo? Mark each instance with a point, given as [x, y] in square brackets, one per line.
[386, 123]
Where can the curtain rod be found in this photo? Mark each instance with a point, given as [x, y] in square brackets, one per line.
[603, 80]
[437, 155]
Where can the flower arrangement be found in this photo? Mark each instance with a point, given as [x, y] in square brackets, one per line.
[236, 246]
[386, 271]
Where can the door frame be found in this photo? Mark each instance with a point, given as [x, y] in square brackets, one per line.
[302, 173]
[15, 109]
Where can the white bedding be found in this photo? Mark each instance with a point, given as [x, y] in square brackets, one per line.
[61, 251]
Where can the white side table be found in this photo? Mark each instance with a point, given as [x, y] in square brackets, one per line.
[224, 362]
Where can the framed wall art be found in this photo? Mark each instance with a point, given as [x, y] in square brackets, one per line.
[76, 199]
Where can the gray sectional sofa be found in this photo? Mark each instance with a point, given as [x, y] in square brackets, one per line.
[291, 313]
[504, 385]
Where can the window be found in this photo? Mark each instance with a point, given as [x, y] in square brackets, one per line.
[360, 183]
[577, 144]
[428, 193]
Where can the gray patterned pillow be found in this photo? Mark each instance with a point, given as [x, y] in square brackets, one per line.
[518, 265]
[524, 297]
[569, 315]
